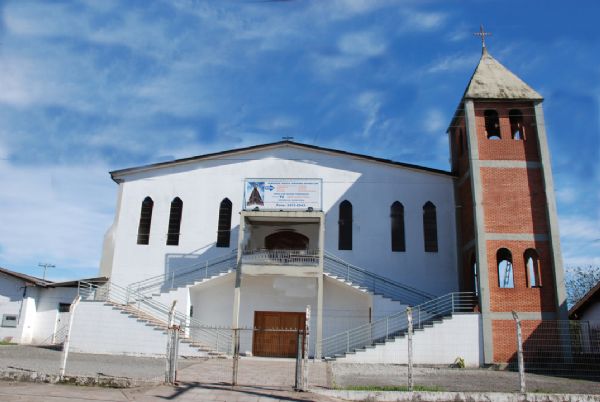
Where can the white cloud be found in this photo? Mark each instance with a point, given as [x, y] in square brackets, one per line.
[422, 21]
[54, 213]
[580, 228]
[435, 121]
[369, 103]
[362, 44]
[455, 62]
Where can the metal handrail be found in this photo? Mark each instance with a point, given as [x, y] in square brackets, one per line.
[187, 275]
[397, 324]
[213, 337]
[280, 257]
[377, 284]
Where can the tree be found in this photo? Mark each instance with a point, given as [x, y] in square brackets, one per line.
[579, 280]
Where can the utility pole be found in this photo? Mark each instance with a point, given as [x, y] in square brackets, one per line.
[46, 265]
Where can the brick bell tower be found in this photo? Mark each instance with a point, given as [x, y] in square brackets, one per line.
[509, 249]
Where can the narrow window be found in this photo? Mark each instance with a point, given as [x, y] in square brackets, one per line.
[143, 236]
[397, 215]
[505, 269]
[492, 124]
[345, 226]
[224, 229]
[532, 262]
[430, 227]
[460, 142]
[475, 274]
[174, 222]
[516, 124]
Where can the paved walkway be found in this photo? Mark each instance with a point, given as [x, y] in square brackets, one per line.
[27, 392]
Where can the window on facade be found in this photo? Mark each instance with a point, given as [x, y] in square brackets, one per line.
[9, 320]
[460, 142]
[143, 236]
[174, 222]
[64, 307]
[224, 228]
[345, 226]
[505, 268]
[430, 227]
[475, 274]
[492, 124]
[532, 263]
[516, 124]
[397, 218]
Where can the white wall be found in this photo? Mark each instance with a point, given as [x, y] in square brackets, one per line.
[11, 299]
[102, 329]
[371, 187]
[343, 307]
[458, 336]
[47, 312]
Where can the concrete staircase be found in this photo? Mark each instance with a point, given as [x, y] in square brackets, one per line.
[394, 327]
[159, 325]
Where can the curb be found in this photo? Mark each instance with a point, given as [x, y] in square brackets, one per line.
[421, 396]
[98, 381]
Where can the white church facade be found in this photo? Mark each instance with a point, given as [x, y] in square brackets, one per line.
[336, 208]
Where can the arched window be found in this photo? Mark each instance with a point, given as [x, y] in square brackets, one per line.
[517, 131]
[224, 229]
[345, 226]
[430, 227]
[143, 236]
[505, 268]
[174, 222]
[475, 274]
[397, 217]
[492, 124]
[532, 263]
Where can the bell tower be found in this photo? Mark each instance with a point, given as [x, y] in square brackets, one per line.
[509, 248]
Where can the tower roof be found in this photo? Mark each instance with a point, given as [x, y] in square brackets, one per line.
[491, 80]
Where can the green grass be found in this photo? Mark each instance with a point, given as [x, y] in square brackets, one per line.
[3, 342]
[389, 388]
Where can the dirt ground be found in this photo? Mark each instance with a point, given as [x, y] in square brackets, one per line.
[449, 379]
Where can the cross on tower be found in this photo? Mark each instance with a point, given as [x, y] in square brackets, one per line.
[483, 34]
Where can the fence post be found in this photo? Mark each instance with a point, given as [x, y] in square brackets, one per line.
[520, 353]
[172, 345]
[410, 348]
[387, 326]
[305, 349]
[298, 386]
[65, 352]
[173, 279]
[452, 294]
[236, 355]
[347, 341]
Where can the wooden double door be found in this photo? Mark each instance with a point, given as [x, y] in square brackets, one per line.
[276, 333]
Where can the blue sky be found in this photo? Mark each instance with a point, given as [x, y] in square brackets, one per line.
[92, 86]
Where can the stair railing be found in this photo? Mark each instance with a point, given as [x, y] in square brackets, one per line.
[215, 338]
[187, 275]
[396, 324]
[377, 284]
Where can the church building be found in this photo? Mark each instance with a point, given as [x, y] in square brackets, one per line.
[250, 237]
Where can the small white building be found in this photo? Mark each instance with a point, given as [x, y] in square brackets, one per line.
[35, 311]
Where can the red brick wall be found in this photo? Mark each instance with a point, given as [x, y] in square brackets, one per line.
[506, 148]
[521, 297]
[514, 200]
[505, 337]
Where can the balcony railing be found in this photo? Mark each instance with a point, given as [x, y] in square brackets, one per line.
[280, 257]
